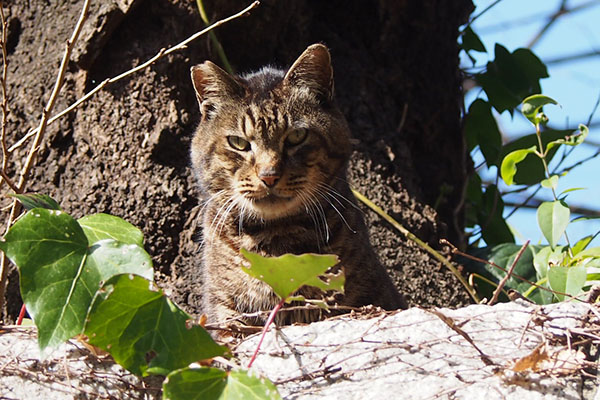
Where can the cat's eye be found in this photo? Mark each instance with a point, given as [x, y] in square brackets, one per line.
[296, 137]
[238, 143]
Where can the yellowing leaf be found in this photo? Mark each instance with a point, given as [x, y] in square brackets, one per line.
[288, 273]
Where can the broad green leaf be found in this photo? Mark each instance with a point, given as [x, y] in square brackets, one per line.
[510, 77]
[59, 273]
[470, 41]
[542, 261]
[49, 249]
[509, 163]
[103, 226]
[287, 273]
[143, 330]
[531, 169]
[36, 200]
[494, 229]
[481, 130]
[216, 384]
[582, 244]
[243, 385]
[571, 140]
[553, 219]
[550, 183]
[532, 67]
[532, 106]
[569, 280]
[195, 384]
[111, 258]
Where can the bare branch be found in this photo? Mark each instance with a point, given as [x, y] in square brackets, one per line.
[508, 274]
[161, 53]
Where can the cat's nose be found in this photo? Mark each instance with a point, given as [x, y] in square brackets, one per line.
[269, 179]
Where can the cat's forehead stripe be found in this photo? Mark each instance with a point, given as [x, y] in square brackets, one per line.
[263, 120]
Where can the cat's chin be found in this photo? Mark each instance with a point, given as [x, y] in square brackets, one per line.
[274, 207]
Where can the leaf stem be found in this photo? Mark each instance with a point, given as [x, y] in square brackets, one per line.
[542, 154]
[265, 329]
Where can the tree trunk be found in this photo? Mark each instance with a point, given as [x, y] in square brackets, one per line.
[125, 151]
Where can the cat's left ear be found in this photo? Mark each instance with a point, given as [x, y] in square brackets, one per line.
[213, 87]
[313, 70]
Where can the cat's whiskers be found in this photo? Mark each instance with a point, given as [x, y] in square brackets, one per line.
[331, 190]
[322, 232]
[218, 215]
[223, 219]
[324, 195]
[205, 204]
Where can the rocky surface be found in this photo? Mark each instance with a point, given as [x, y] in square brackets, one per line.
[510, 351]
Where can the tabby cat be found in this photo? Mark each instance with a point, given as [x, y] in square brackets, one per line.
[270, 153]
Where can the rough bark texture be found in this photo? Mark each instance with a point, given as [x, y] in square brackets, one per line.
[125, 151]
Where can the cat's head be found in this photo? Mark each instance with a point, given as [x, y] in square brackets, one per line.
[269, 143]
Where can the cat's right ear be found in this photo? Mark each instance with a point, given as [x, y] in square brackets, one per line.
[213, 86]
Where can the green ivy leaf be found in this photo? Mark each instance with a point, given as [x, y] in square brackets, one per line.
[509, 163]
[553, 219]
[143, 330]
[36, 200]
[59, 272]
[216, 384]
[532, 105]
[103, 226]
[481, 130]
[569, 280]
[288, 273]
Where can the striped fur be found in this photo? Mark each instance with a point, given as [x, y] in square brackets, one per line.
[270, 154]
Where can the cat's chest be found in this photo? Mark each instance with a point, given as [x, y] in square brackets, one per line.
[278, 239]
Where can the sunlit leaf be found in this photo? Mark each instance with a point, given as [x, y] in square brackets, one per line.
[571, 140]
[60, 273]
[103, 226]
[532, 106]
[509, 163]
[144, 331]
[569, 280]
[531, 170]
[287, 273]
[582, 244]
[216, 384]
[550, 183]
[553, 219]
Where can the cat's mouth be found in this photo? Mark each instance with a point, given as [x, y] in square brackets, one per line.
[272, 205]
